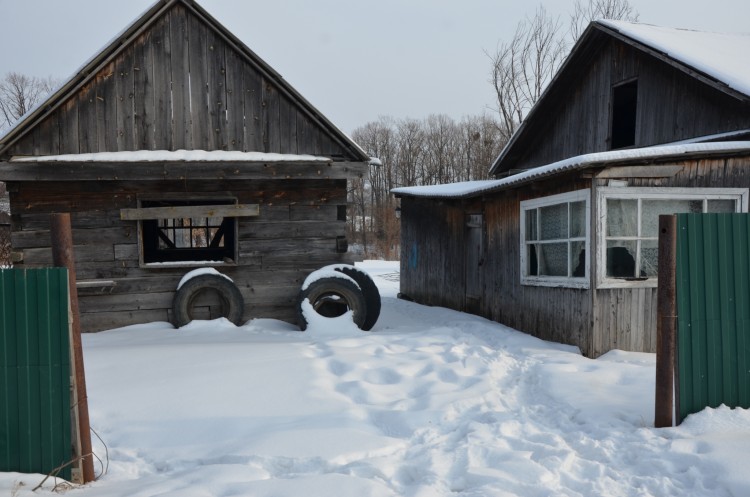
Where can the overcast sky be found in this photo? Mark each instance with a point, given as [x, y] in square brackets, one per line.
[353, 59]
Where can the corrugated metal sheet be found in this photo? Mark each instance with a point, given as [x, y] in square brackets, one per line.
[713, 309]
[35, 415]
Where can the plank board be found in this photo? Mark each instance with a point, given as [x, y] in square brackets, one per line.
[194, 211]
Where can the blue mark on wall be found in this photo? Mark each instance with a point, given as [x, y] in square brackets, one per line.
[414, 256]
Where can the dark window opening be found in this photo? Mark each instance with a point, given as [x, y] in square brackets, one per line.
[624, 104]
[341, 213]
[186, 239]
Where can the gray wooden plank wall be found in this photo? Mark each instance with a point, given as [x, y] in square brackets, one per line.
[179, 86]
[687, 108]
[294, 234]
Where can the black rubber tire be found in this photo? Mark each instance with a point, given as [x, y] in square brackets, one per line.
[232, 303]
[331, 297]
[370, 291]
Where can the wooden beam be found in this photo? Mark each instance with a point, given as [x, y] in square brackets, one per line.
[178, 171]
[175, 212]
[666, 171]
[62, 248]
[666, 325]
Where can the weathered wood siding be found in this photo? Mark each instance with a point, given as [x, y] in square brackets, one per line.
[595, 320]
[295, 234]
[180, 85]
[626, 318]
[433, 254]
[671, 106]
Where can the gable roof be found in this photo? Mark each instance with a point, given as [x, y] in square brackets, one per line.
[717, 59]
[721, 56]
[127, 36]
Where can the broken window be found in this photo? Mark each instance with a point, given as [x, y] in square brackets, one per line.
[554, 234]
[630, 225]
[190, 235]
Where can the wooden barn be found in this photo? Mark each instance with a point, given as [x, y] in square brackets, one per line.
[177, 147]
[639, 121]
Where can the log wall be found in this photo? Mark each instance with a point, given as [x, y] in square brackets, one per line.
[295, 233]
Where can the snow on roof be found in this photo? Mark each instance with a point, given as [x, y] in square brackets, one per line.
[174, 156]
[722, 56]
[474, 188]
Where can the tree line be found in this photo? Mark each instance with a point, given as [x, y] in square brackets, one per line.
[413, 152]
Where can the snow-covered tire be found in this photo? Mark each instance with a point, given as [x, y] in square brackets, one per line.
[332, 297]
[370, 292]
[232, 303]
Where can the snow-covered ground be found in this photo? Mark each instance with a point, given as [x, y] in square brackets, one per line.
[432, 402]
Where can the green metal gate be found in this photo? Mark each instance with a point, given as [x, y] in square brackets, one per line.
[713, 309]
[35, 387]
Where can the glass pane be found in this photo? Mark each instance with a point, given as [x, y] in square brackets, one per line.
[532, 264]
[621, 259]
[578, 259]
[725, 205]
[553, 221]
[577, 219]
[553, 259]
[531, 224]
[652, 209]
[622, 217]
[649, 258]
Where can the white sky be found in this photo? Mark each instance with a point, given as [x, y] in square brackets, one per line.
[353, 59]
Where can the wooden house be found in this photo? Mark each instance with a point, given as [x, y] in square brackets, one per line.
[639, 121]
[177, 147]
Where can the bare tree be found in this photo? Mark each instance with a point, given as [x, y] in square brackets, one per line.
[583, 14]
[19, 93]
[414, 152]
[522, 67]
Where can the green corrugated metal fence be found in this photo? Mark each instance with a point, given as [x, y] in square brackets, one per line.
[713, 309]
[35, 416]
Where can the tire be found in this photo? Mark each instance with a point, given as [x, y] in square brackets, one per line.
[332, 297]
[370, 291]
[232, 303]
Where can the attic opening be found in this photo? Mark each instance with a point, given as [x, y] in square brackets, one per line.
[624, 106]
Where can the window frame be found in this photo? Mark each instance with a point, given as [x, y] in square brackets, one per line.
[207, 199]
[739, 195]
[557, 281]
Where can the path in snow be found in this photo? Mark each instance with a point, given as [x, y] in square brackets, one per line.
[433, 402]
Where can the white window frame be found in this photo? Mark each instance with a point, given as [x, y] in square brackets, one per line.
[557, 281]
[740, 195]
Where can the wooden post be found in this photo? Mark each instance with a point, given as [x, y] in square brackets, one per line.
[62, 256]
[666, 323]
